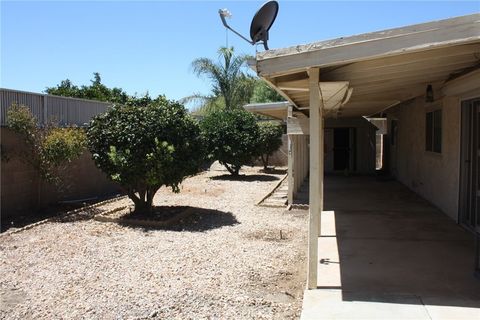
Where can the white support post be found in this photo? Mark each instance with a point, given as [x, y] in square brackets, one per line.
[291, 159]
[321, 163]
[316, 174]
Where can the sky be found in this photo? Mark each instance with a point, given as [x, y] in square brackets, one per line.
[149, 46]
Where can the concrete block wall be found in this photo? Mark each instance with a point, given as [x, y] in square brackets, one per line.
[22, 191]
[280, 157]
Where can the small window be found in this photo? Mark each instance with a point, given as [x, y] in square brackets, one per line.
[433, 131]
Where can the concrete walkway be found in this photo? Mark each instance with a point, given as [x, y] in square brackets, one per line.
[386, 253]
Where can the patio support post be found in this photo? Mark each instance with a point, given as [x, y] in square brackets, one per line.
[316, 174]
[291, 159]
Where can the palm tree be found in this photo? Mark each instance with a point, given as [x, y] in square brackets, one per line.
[231, 86]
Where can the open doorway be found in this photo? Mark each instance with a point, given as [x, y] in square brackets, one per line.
[340, 151]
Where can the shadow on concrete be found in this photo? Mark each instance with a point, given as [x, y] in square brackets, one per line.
[199, 220]
[393, 246]
[249, 178]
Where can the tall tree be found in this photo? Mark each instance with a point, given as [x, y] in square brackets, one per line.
[264, 93]
[232, 87]
[95, 91]
[146, 148]
[231, 137]
[269, 140]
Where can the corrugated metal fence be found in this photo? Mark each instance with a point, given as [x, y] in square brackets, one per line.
[46, 108]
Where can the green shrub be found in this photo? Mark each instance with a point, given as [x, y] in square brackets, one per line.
[145, 148]
[231, 138]
[63, 145]
[269, 140]
[21, 120]
[50, 148]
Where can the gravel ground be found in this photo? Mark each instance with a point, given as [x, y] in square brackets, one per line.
[237, 261]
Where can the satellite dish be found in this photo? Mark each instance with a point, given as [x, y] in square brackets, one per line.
[261, 23]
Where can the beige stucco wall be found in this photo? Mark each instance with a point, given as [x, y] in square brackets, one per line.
[433, 176]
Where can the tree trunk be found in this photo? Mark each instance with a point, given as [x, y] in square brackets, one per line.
[264, 162]
[150, 194]
[233, 170]
[144, 200]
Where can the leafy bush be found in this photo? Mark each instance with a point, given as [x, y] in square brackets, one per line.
[145, 148]
[231, 138]
[63, 145]
[50, 148]
[21, 120]
[270, 139]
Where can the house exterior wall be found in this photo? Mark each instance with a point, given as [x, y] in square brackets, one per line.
[365, 142]
[21, 190]
[434, 176]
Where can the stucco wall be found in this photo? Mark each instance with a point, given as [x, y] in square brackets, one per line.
[21, 190]
[435, 176]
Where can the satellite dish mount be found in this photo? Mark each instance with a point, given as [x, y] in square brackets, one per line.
[261, 23]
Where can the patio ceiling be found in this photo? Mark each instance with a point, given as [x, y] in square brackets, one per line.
[366, 74]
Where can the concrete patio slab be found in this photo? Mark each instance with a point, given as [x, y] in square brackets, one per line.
[329, 304]
[385, 253]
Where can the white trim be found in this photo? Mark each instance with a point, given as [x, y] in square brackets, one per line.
[414, 38]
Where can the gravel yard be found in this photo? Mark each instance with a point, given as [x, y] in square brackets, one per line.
[238, 261]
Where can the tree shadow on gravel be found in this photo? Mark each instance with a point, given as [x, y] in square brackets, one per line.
[54, 213]
[248, 178]
[199, 220]
[274, 171]
[86, 214]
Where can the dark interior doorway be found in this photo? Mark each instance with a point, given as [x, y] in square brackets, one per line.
[344, 149]
[341, 149]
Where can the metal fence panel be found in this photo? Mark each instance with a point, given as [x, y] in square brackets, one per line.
[46, 108]
[33, 101]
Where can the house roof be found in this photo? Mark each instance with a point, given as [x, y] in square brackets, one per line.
[371, 72]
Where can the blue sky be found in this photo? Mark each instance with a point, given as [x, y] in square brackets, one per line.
[149, 46]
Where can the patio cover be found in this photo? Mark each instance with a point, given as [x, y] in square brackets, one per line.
[365, 74]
